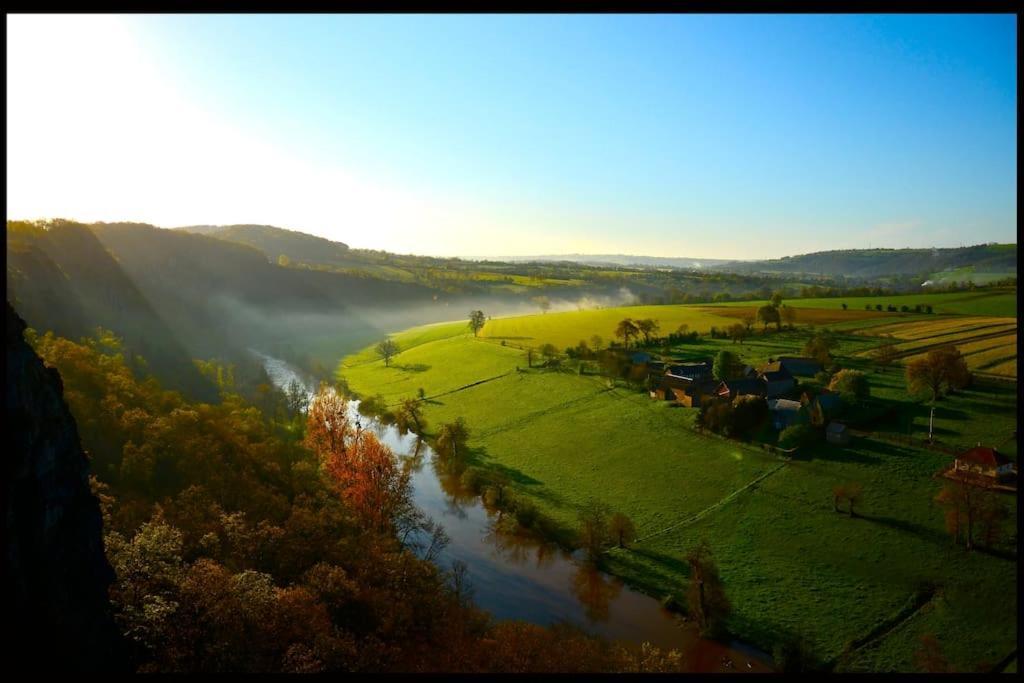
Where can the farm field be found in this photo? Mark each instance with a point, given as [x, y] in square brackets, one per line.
[989, 302]
[792, 566]
[932, 329]
[989, 345]
[568, 328]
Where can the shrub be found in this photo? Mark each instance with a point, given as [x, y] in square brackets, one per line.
[797, 436]
[473, 479]
[526, 513]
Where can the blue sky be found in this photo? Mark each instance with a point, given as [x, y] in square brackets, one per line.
[685, 135]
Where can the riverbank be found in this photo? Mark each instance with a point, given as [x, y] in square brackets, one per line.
[796, 572]
[520, 576]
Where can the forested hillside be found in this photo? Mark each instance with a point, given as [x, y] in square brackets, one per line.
[998, 259]
[270, 240]
[61, 278]
[240, 545]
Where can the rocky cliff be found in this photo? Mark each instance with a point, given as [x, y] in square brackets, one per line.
[55, 574]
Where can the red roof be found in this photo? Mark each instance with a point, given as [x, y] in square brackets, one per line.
[983, 455]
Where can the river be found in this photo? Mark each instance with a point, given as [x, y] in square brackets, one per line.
[520, 577]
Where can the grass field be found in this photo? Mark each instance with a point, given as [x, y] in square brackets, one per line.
[791, 565]
[568, 328]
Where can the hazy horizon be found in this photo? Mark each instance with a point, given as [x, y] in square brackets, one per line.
[682, 136]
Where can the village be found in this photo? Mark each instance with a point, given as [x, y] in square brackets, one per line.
[786, 385]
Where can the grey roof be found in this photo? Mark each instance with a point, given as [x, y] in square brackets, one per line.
[776, 404]
[836, 427]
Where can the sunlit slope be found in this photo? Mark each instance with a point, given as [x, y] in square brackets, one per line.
[568, 328]
[791, 564]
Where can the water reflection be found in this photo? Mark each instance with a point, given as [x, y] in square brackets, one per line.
[515, 575]
[595, 591]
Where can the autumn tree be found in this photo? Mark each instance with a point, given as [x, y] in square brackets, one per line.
[851, 385]
[970, 503]
[706, 597]
[371, 482]
[593, 529]
[769, 314]
[748, 321]
[409, 416]
[940, 370]
[622, 529]
[737, 332]
[852, 493]
[452, 438]
[885, 354]
[788, 314]
[388, 349]
[596, 342]
[776, 299]
[648, 327]
[627, 330]
[477, 320]
[820, 346]
[328, 425]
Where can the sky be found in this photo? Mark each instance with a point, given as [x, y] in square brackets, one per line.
[668, 135]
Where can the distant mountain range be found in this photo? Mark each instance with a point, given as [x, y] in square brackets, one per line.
[997, 259]
[872, 263]
[621, 260]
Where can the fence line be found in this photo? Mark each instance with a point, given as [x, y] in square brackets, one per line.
[700, 515]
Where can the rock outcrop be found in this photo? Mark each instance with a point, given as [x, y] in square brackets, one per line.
[55, 575]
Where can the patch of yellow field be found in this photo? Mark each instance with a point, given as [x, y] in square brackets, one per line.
[568, 328]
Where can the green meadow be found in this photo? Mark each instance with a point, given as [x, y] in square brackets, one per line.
[794, 569]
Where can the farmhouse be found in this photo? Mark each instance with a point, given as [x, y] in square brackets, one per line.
[822, 407]
[800, 366]
[784, 412]
[778, 380]
[692, 395]
[984, 461]
[693, 371]
[666, 383]
[747, 386]
[837, 434]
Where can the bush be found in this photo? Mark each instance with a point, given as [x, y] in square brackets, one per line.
[526, 513]
[851, 385]
[797, 436]
[473, 479]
